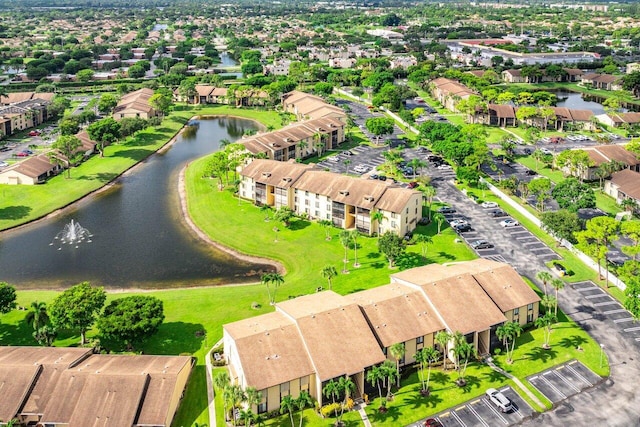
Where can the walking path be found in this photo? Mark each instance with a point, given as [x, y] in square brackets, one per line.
[210, 391]
[363, 414]
[515, 380]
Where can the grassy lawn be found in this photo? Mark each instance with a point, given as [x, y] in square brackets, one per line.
[23, 203]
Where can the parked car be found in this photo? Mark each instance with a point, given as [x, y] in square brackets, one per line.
[432, 422]
[481, 244]
[461, 228]
[457, 221]
[509, 223]
[413, 184]
[4, 164]
[560, 269]
[446, 210]
[527, 151]
[497, 213]
[531, 172]
[382, 177]
[489, 205]
[22, 154]
[444, 166]
[34, 133]
[500, 400]
[545, 151]
[373, 176]
[347, 153]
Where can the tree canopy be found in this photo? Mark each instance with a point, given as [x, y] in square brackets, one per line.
[572, 195]
[7, 297]
[132, 319]
[77, 308]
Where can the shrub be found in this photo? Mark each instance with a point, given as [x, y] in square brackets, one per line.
[330, 409]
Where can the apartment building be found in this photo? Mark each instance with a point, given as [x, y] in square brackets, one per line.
[347, 202]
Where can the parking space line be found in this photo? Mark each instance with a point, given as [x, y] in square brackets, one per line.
[521, 232]
[626, 319]
[537, 242]
[495, 411]
[565, 380]
[553, 387]
[539, 249]
[457, 418]
[619, 310]
[600, 304]
[587, 289]
[598, 295]
[637, 339]
[578, 374]
[637, 328]
[474, 412]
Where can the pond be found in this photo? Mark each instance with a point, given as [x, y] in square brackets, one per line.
[576, 101]
[140, 239]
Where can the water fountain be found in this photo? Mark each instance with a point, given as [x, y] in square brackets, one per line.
[73, 234]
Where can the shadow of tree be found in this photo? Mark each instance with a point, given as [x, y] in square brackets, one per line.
[408, 260]
[103, 177]
[134, 153]
[573, 341]
[176, 338]
[193, 404]
[393, 413]
[378, 265]
[373, 255]
[16, 334]
[494, 376]
[299, 224]
[439, 377]
[544, 355]
[446, 255]
[14, 212]
[472, 382]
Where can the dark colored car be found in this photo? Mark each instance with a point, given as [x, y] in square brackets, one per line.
[413, 184]
[446, 210]
[531, 172]
[527, 151]
[374, 176]
[432, 422]
[382, 177]
[461, 228]
[348, 153]
[497, 213]
[561, 269]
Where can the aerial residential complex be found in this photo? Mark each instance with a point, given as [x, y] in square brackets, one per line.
[347, 202]
[312, 339]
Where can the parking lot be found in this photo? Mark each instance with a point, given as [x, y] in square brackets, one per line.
[481, 412]
[605, 306]
[563, 381]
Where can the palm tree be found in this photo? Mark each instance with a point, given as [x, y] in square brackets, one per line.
[389, 372]
[424, 240]
[463, 352]
[548, 301]
[374, 375]
[545, 277]
[254, 397]
[397, 350]
[347, 163]
[346, 386]
[443, 338]
[429, 193]
[378, 217]
[416, 165]
[508, 332]
[286, 405]
[440, 219]
[37, 315]
[354, 237]
[301, 402]
[329, 272]
[426, 356]
[345, 239]
[331, 390]
[326, 224]
[247, 416]
[557, 285]
[432, 355]
[546, 322]
[272, 278]
[629, 204]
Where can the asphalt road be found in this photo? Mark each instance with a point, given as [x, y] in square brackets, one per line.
[616, 402]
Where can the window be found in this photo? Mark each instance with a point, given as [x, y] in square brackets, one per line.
[420, 340]
[317, 204]
[284, 390]
[317, 214]
[516, 311]
[407, 211]
[262, 407]
[530, 307]
[529, 317]
[304, 384]
[393, 224]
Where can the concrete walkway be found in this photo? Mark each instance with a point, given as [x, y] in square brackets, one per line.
[363, 414]
[515, 380]
[210, 391]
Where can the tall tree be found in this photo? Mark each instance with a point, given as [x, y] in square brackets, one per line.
[329, 272]
[443, 339]
[104, 132]
[274, 279]
[562, 224]
[37, 315]
[354, 239]
[463, 352]
[374, 376]
[397, 350]
[7, 297]
[377, 217]
[632, 296]
[631, 230]
[540, 187]
[161, 103]
[67, 146]
[597, 236]
[132, 319]
[423, 240]
[345, 240]
[429, 193]
[572, 195]
[546, 322]
[509, 332]
[545, 277]
[303, 400]
[331, 390]
[557, 285]
[77, 308]
[392, 246]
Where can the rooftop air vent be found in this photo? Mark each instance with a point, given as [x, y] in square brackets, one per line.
[344, 192]
[369, 198]
[266, 174]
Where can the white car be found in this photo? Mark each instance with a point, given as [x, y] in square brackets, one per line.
[509, 223]
[545, 151]
[489, 205]
[3, 165]
[458, 221]
[444, 166]
[499, 399]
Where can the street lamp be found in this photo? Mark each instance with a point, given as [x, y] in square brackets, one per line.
[601, 353]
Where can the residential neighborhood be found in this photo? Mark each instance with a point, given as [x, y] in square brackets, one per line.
[319, 214]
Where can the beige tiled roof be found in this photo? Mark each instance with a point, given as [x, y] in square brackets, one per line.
[272, 172]
[271, 350]
[335, 333]
[204, 90]
[135, 101]
[395, 199]
[502, 111]
[397, 313]
[506, 288]
[15, 382]
[35, 166]
[628, 182]
[606, 153]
